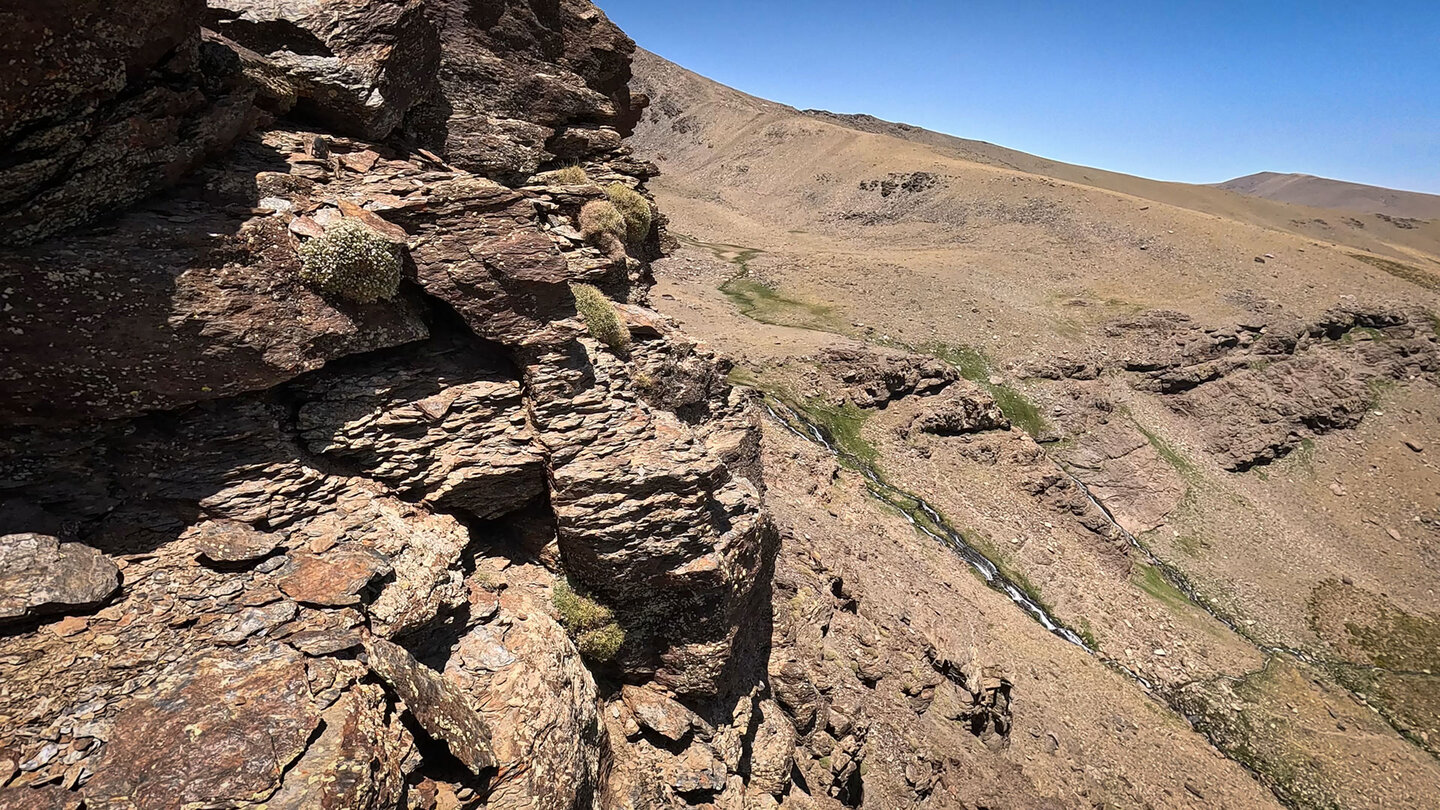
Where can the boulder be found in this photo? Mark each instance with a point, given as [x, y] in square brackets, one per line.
[525, 677]
[335, 579]
[176, 303]
[964, 408]
[357, 67]
[41, 576]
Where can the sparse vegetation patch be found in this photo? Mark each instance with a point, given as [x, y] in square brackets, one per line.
[1400, 270]
[634, 208]
[591, 624]
[600, 220]
[568, 176]
[600, 317]
[352, 262]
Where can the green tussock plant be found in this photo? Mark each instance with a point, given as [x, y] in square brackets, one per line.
[1400, 270]
[591, 624]
[568, 176]
[600, 316]
[634, 208]
[353, 262]
[599, 220]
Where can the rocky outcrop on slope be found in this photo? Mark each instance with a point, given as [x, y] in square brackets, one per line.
[269, 546]
[1259, 390]
[873, 379]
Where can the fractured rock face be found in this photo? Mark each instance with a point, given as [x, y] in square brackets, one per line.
[440, 707]
[1259, 392]
[527, 680]
[178, 303]
[358, 67]
[512, 74]
[99, 109]
[398, 422]
[873, 379]
[650, 519]
[964, 408]
[40, 576]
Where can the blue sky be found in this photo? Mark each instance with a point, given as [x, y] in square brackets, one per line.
[1172, 89]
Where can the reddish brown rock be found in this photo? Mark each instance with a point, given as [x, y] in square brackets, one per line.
[357, 762]
[219, 729]
[335, 579]
[513, 75]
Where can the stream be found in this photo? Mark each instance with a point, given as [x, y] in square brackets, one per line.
[930, 522]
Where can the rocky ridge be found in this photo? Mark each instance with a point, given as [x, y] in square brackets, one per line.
[305, 548]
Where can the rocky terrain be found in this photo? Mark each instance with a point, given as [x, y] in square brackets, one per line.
[1180, 434]
[373, 439]
[279, 533]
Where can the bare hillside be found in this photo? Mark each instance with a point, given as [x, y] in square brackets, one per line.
[1190, 431]
[1321, 192]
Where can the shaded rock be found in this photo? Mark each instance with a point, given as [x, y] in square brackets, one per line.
[358, 67]
[163, 310]
[438, 705]
[98, 112]
[229, 541]
[398, 422]
[650, 520]
[220, 728]
[510, 77]
[40, 576]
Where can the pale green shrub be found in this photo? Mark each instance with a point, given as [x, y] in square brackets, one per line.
[600, 316]
[633, 206]
[351, 261]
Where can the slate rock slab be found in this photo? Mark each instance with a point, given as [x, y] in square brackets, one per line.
[41, 576]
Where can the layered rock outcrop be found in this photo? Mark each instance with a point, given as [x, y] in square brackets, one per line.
[270, 546]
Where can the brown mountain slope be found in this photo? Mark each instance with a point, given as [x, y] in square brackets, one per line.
[1321, 192]
[1216, 458]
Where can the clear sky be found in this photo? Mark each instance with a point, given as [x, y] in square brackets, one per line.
[1184, 90]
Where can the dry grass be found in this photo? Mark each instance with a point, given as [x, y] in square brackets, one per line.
[599, 220]
[568, 176]
[634, 208]
[600, 317]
